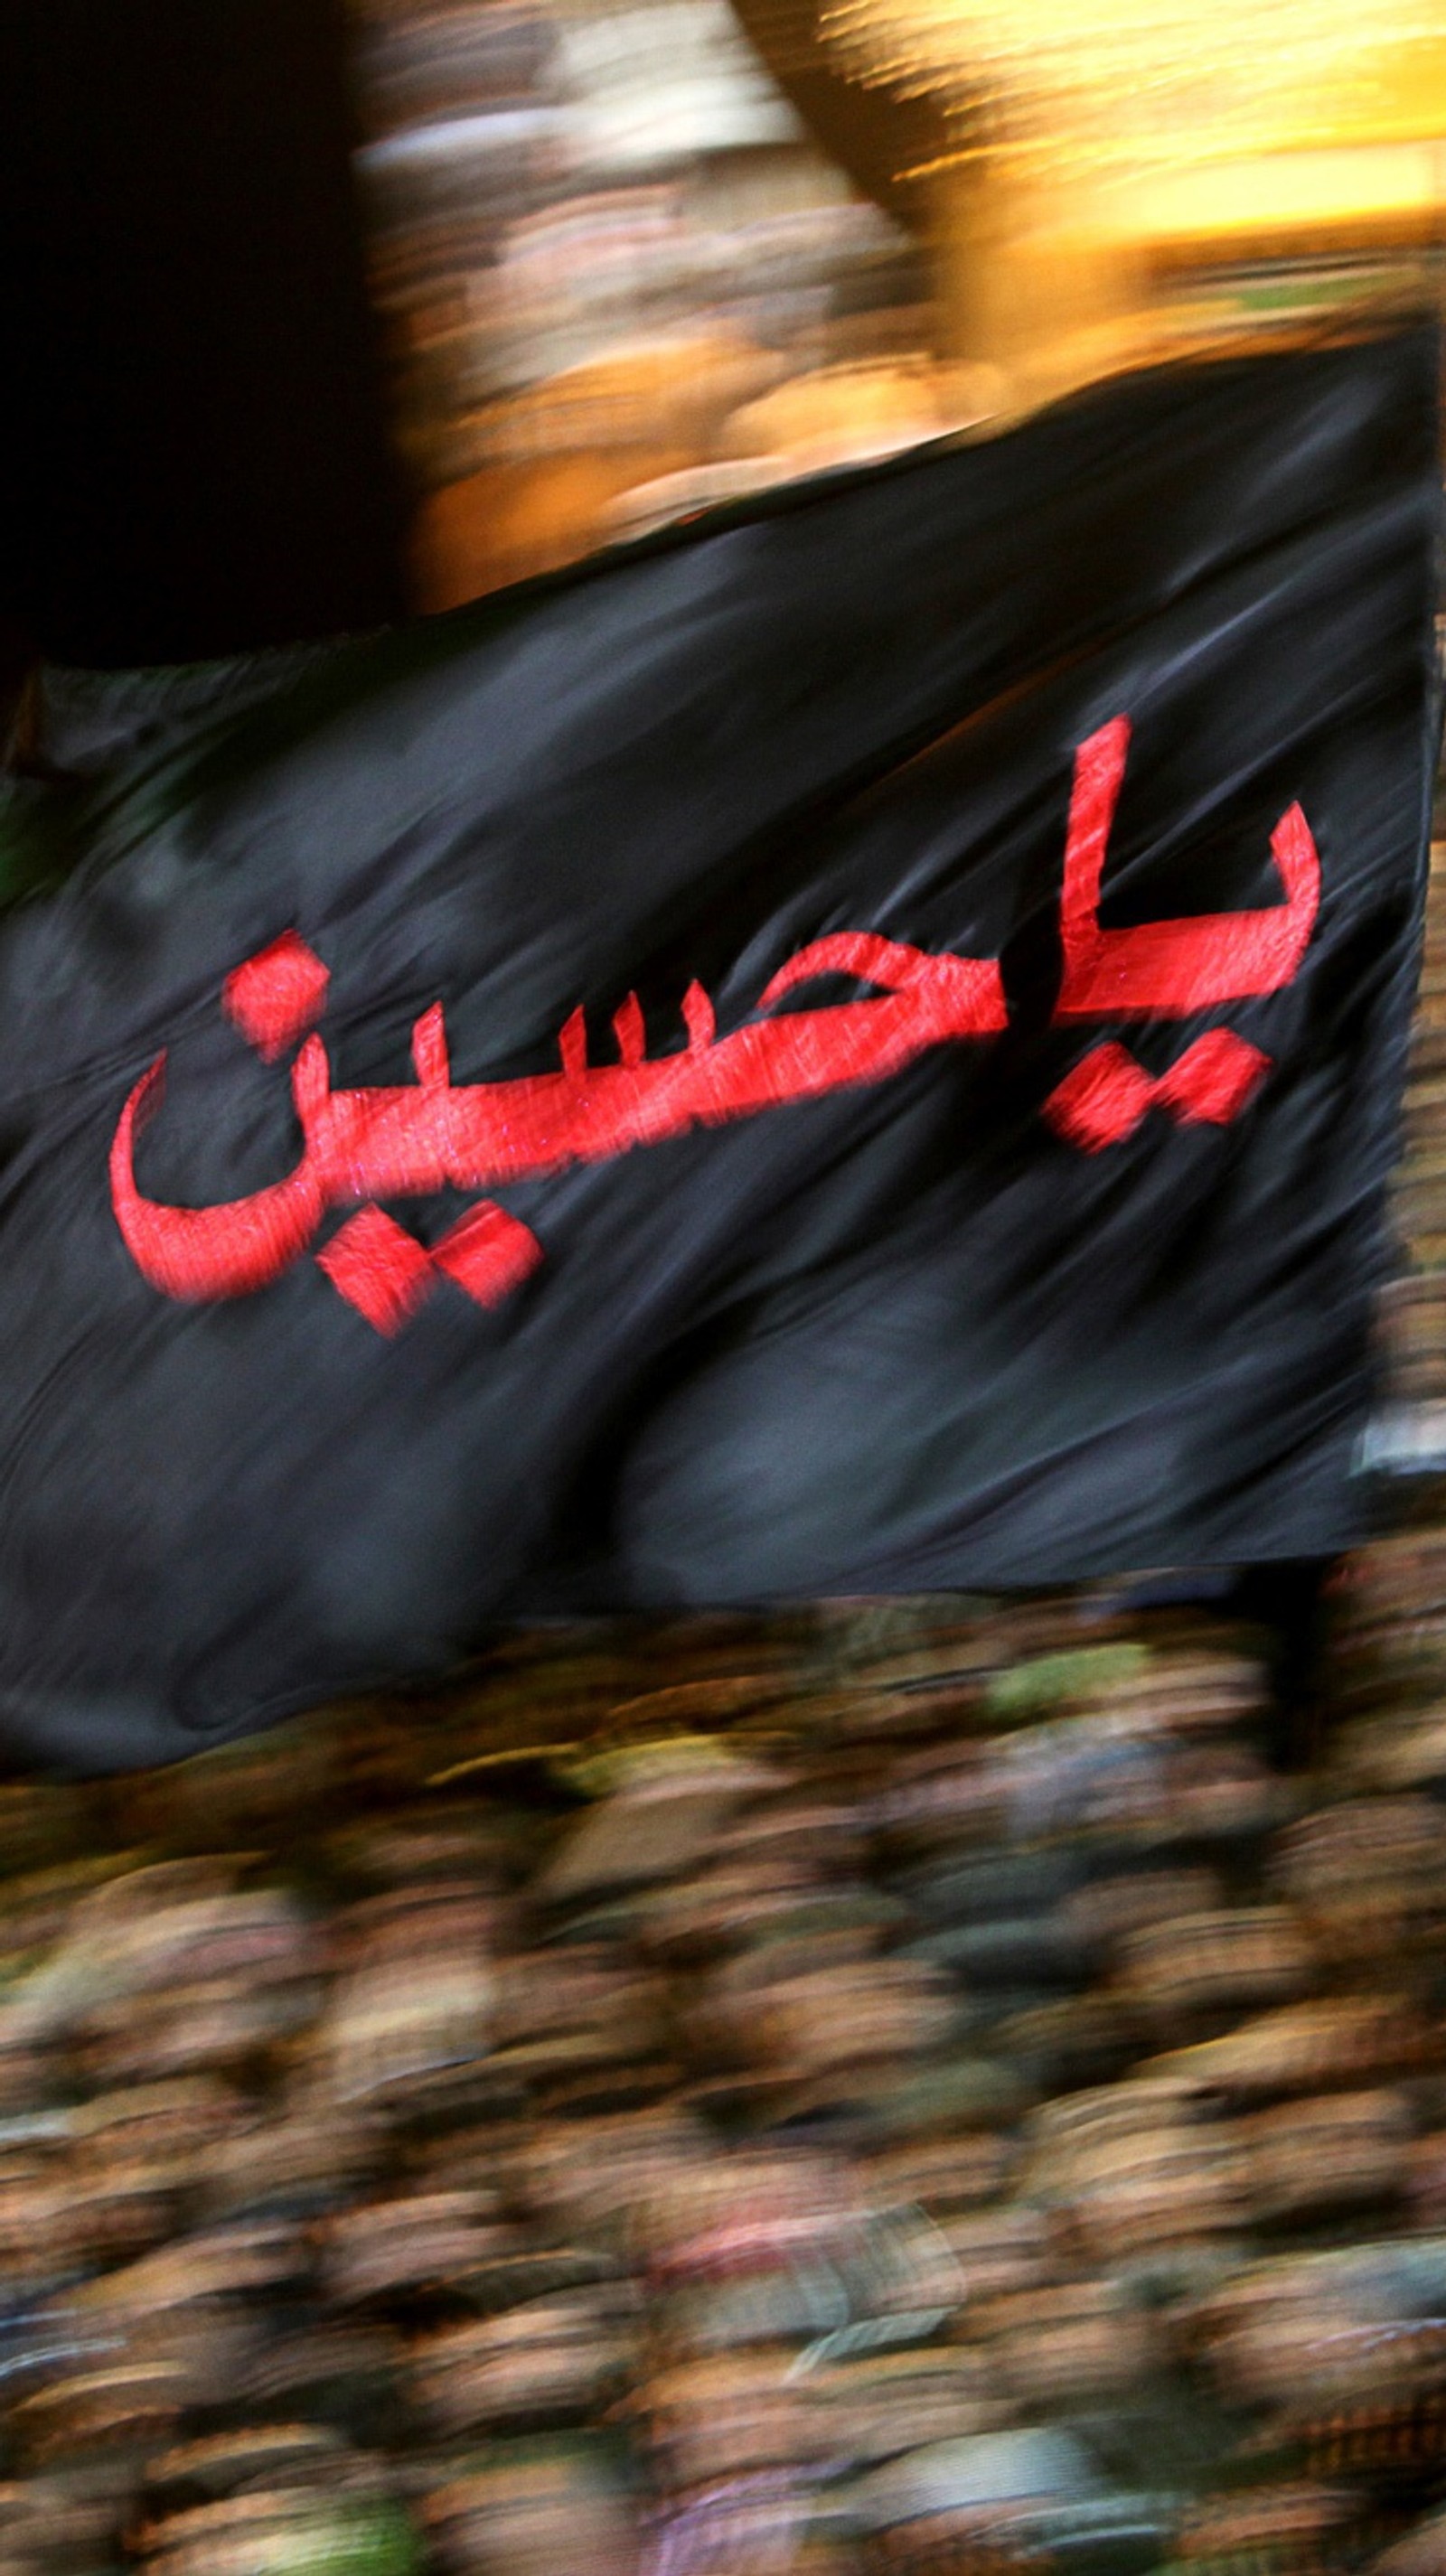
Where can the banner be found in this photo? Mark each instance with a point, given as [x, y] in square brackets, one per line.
[851, 1048]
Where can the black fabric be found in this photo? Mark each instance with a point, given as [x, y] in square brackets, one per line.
[900, 1336]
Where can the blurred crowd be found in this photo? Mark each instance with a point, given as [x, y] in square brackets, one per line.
[930, 2089]
[619, 279]
[616, 277]
[899, 2087]
[945, 2088]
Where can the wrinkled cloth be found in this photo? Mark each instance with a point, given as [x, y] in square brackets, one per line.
[900, 1332]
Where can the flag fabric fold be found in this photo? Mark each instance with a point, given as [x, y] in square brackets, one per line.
[852, 1048]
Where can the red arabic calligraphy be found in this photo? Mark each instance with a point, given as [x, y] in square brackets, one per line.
[1169, 968]
[1104, 1099]
[276, 994]
[360, 1146]
[413, 1139]
[385, 1273]
[1165, 969]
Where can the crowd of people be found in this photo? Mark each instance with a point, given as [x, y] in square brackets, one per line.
[917, 2086]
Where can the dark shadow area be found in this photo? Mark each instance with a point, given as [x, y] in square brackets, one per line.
[192, 453]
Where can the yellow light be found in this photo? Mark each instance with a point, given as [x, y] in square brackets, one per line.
[1140, 82]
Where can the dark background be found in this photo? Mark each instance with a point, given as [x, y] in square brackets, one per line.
[193, 458]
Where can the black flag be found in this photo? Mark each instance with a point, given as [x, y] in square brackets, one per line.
[853, 1048]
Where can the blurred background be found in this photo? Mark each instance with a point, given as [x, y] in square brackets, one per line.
[320, 310]
[907, 2089]
[632, 258]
